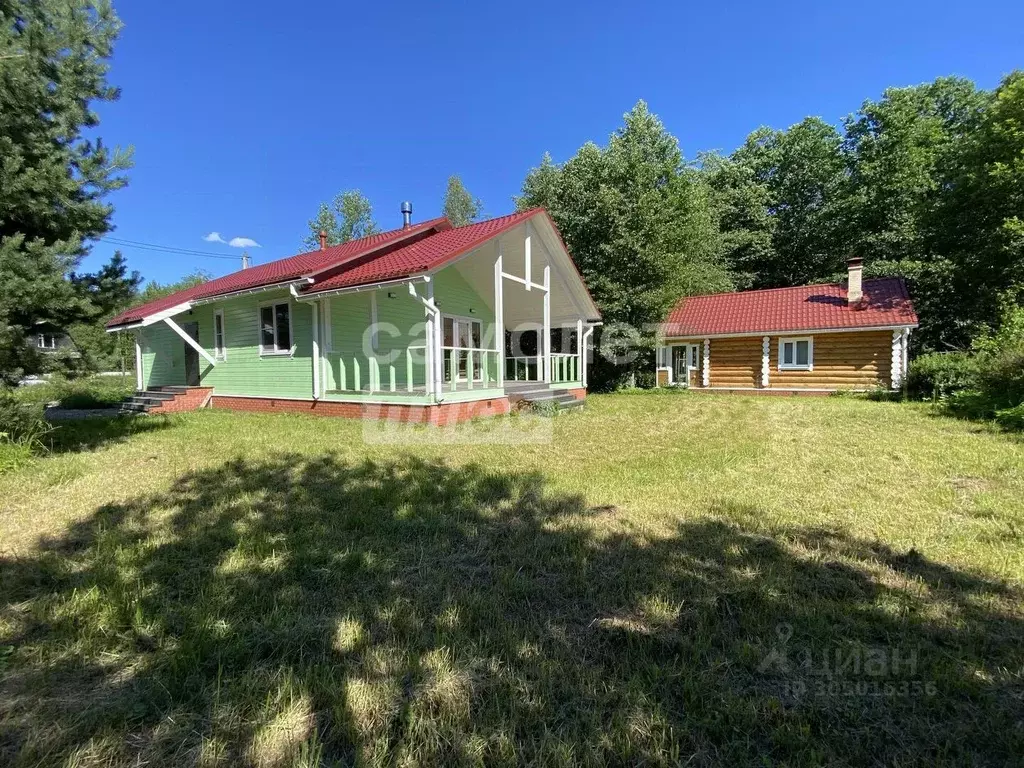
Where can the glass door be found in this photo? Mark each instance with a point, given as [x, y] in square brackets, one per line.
[461, 334]
[686, 365]
[679, 365]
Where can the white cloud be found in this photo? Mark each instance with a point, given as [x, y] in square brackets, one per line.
[242, 242]
[214, 237]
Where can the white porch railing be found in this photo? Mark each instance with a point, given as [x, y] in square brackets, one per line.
[469, 367]
[564, 368]
[523, 368]
[361, 373]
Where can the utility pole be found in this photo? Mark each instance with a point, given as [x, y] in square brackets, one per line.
[245, 260]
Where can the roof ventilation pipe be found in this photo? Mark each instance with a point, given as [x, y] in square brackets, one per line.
[406, 214]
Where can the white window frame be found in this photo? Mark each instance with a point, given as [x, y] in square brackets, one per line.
[794, 366]
[275, 352]
[221, 352]
[478, 374]
[41, 341]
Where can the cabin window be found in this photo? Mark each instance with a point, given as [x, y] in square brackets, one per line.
[275, 329]
[219, 349]
[796, 354]
[46, 341]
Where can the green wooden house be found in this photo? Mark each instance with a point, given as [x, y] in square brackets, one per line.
[428, 322]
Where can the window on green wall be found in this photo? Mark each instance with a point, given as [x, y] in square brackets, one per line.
[219, 350]
[275, 329]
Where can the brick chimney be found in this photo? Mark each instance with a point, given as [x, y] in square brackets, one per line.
[323, 240]
[855, 282]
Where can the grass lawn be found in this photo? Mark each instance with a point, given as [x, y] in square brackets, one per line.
[674, 578]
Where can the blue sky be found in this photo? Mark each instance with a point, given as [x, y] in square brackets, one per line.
[244, 116]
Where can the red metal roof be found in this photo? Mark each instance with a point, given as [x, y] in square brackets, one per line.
[803, 308]
[391, 255]
[292, 268]
[423, 255]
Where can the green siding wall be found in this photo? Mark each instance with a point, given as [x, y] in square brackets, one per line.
[163, 356]
[401, 323]
[246, 372]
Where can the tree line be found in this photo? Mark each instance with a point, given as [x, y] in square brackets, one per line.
[926, 183]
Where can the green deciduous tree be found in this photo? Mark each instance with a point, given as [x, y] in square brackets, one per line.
[637, 220]
[54, 175]
[779, 200]
[348, 217]
[460, 207]
[980, 222]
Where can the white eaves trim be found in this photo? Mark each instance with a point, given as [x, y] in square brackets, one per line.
[364, 287]
[156, 317]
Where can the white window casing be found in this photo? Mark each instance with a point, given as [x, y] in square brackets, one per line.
[273, 326]
[220, 347]
[790, 348]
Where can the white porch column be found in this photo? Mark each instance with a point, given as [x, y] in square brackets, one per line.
[325, 344]
[705, 373]
[765, 367]
[428, 340]
[139, 378]
[547, 323]
[315, 307]
[499, 316]
[579, 349]
[436, 353]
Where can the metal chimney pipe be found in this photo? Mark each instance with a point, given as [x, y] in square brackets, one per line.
[406, 214]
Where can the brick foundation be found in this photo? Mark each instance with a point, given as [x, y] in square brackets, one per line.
[579, 393]
[191, 400]
[437, 415]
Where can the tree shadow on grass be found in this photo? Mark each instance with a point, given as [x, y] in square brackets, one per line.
[297, 611]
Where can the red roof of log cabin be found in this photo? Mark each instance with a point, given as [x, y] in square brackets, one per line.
[885, 303]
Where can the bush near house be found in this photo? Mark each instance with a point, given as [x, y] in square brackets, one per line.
[996, 388]
[22, 429]
[985, 383]
[938, 374]
[86, 393]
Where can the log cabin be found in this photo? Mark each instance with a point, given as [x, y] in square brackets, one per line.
[852, 335]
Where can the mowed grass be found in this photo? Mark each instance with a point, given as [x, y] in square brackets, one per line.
[671, 579]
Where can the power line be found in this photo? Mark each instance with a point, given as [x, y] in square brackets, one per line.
[165, 248]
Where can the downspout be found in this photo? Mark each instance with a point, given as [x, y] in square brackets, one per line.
[583, 352]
